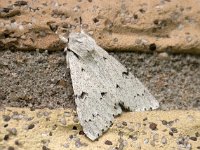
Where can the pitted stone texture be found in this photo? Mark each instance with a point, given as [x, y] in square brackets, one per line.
[160, 25]
[42, 129]
[41, 79]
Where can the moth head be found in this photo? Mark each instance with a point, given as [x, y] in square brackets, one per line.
[64, 38]
[81, 43]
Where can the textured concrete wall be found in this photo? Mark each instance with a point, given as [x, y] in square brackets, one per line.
[59, 130]
[134, 25]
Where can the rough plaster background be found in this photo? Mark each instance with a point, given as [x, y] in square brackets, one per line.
[133, 25]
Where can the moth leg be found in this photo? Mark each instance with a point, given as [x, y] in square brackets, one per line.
[67, 57]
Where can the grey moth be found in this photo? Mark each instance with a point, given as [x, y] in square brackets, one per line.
[102, 85]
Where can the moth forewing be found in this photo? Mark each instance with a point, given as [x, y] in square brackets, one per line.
[102, 85]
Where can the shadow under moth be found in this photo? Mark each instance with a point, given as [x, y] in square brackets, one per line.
[102, 85]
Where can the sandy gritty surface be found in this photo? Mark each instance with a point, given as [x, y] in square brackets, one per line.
[59, 130]
[134, 25]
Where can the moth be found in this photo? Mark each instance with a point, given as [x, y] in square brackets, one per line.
[102, 85]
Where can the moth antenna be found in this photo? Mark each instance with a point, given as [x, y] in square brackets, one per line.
[81, 25]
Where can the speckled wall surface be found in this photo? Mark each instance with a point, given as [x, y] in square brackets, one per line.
[134, 25]
[59, 130]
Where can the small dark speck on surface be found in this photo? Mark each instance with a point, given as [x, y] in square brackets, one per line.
[71, 137]
[20, 3]
[45, 148]
[153, 126]
[11, 148]
[74, 128]
[133, 137]
[145, 119]
[6, 137]
[6, 125]
[171, 133]
[124, 123]
[17, 142]
[6, 118]
[174, 130]
[193, 138]
[50, 133]
[164, 122]
[107, 142]
[152, 47]
[197, 134]
[31, 126]
[81, 133]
